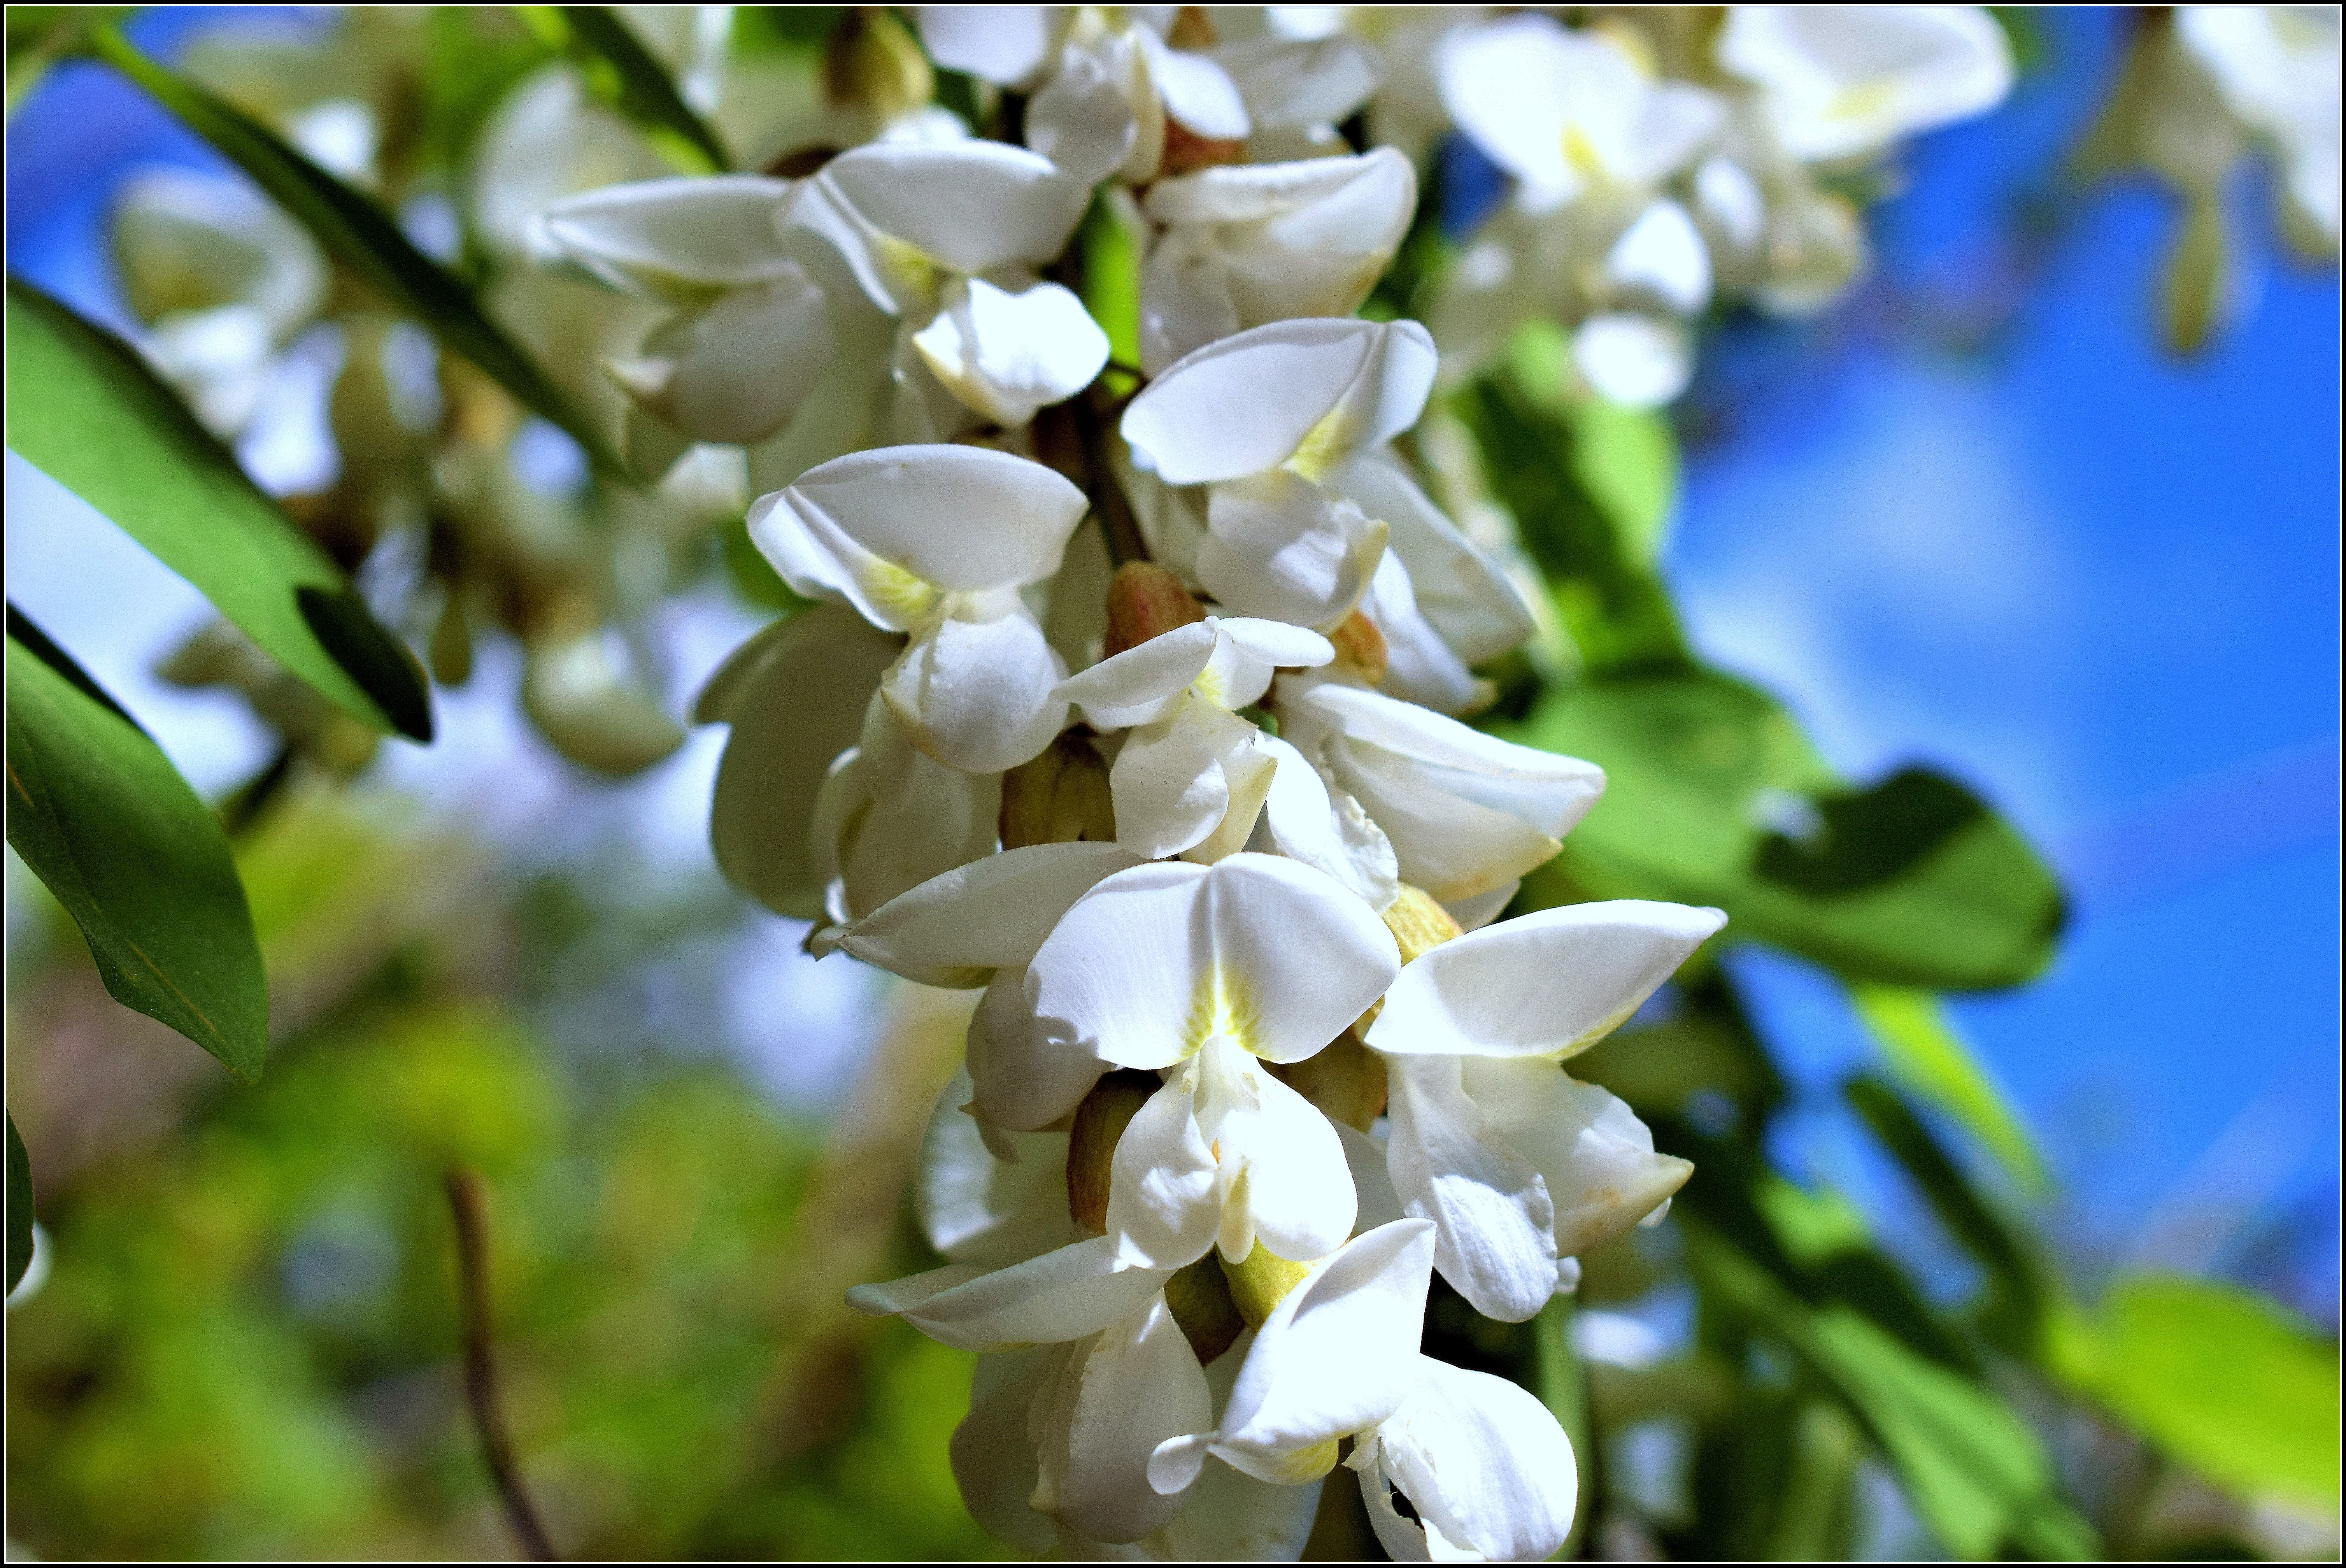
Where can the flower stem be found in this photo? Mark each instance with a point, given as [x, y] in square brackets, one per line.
[471, 1212]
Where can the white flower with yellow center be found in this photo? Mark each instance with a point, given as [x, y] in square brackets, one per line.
[1846, 81]
[1201, 973]
[936, 542]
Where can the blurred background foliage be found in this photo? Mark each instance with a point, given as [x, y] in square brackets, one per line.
[240, 1336]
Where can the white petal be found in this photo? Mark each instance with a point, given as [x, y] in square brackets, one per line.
[1327, 830]
[1503, 84]
[1445, 842]
[956, 929]
[1661, 260]
[675, 240]
[1184, 300]
[1300, 81]
[795, 696]
[1597, 1157]
[1337, 1354]
[1548, 984]
[975, 1208]
[1152, 962]
[1250, 650]
[1496, 1219]
[1278, 547]
[1420, 666]
[1023, 1074]
[886, 529]
[1077, 1290]
[1550, 791]
[969, 207]
[1168, 785]
[1638, 361]
[1253, 401]
[1004, 355]
[1465, 594]
[1197, 92]
[1142, 684]
[1373, 1185]
[1231, 1517]
[1864, 76]
[1120, 1396]
[1164, 1196]
[737, 371]
[1483, 1462]
[1299, 1188]
[992, 1458]
[1009, 45]
[976, 695]
[1475, 913]
[947, 820]
[1087, 118]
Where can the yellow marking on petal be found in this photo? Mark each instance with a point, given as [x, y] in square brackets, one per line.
[1210, 686]
[1220, 1006]
[1328, 443]
[1861, 101]
[1574, 1046]
[909, 266]
[897, 590]
[1580, 154]
[1301, 1465]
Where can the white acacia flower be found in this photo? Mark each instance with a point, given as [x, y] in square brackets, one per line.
[944, 238]
[1776, 235]
[1336, 1357]
[889, 818]
[222, 280]
[936, 542]
[797, 696]
[1190, 970]
[1468, 814]
[751, 335]
[1850, 80]
[1571, 113]
[2277, 68]
[1264, 418]
[982, 924]
[1487, 1472]
[1192, 775]
[1244, 247]
[1518, 1165]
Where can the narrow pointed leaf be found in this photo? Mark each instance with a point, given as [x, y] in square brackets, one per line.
[1926, 1054]
[361, 236]
[88, 412]
[100, 814]
[624, 74]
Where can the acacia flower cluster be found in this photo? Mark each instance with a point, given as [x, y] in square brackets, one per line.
[1134, 697]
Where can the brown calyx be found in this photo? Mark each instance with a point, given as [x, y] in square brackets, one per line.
[1146, 601]
[1059, 797]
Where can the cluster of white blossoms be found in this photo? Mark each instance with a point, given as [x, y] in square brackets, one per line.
[1132, 696]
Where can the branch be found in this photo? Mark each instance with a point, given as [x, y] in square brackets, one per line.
[1123, 532]
[464, 1201]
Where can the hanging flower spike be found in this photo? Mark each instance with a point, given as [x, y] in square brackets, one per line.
[1516, 1163]
[935, 542]
[1262, 418]
[1850, 83]
[1188, 968]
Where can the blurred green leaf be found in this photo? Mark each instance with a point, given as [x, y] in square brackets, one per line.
[1913, 881]
[1599, 564]
[2017, 1278]
[622, 73]
[1111, 261]
[1560, 1378]
[85, 409]
[1974, 1470]
[2216, 1377]
[474, 55]
[1926, 1054]
[40, 35]
[20, 1207]
[1624, 459]
[103, 819]
[361, 236]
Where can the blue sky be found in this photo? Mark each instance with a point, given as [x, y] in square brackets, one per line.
[2099, 585]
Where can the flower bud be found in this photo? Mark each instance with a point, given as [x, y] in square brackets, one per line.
[1359, 642]
[1059, 797]
[873, 62]
[1099, 1122]
[1144, 601]
[1258, 1285]
[1199, 1299]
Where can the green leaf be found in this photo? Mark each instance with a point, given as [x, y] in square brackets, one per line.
[1976, 1472]
[84, 409]
[2216, 1377]
[103, 819]
[361, 236]
[20, 1207]
[622, 73]
[1913, 882]
[1624, 459]
[1930, 1058]
[1111, 275]
[1599, 565]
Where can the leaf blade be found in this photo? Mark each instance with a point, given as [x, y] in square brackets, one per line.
[98, 813]
[637, 86]
[86, 411]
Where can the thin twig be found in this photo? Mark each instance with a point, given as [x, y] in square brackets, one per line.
[1117, 522]
[464, 1201]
